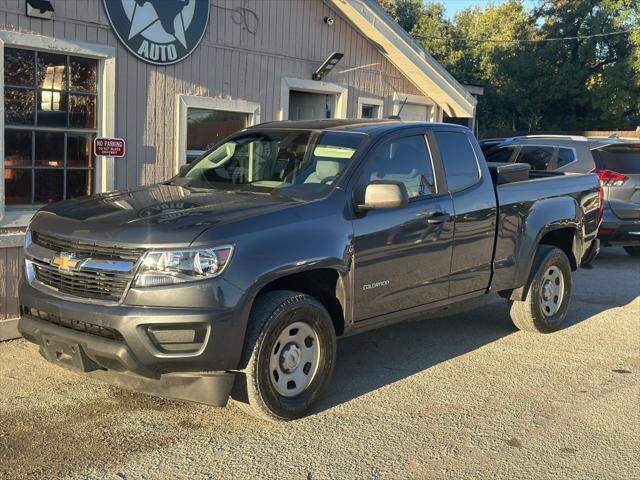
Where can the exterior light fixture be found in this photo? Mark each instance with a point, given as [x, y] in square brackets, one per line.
[40, 9]
[327, 66]
[329, 20]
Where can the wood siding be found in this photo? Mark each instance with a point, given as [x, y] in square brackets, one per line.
[291, 40]
[11, 260]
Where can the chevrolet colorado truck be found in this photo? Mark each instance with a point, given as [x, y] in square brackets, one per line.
[235, 278]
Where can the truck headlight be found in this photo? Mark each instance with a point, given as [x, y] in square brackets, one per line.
[170, 267]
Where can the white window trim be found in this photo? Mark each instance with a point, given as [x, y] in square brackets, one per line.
[185, 102]
[312, 86]
[371, 101]
[398, 99]
[106, 56]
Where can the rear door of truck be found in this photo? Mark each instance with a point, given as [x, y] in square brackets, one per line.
[474, 202]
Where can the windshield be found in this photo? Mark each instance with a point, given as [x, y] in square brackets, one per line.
[292, 163]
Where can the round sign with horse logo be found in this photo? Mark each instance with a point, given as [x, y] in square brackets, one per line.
[161, 32]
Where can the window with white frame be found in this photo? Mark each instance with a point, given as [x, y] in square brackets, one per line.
[370, 108]
[51, 104]
[207, 127]
[205, 121]
[60, 94]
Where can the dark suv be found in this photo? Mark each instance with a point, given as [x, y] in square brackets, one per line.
[616, 161]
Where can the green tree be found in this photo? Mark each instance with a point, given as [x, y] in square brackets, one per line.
[593, 82]
[581, 84]
[406, 12]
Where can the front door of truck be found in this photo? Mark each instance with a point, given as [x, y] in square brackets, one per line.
[402, 256]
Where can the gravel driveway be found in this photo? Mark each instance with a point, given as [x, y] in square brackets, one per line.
[459, 396]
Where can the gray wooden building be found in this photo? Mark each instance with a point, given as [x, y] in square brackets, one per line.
[171, 78]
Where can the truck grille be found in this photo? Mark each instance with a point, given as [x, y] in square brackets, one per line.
[86, 249]
[79, 326]
[87, 284]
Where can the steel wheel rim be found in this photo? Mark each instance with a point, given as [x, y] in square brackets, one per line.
[551, 291]
[294, 359]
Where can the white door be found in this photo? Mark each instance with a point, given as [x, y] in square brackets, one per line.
[416, 112]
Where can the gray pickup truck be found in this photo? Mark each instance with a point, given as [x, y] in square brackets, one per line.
[236, 277]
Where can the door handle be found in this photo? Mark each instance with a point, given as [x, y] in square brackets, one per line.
[438, 218]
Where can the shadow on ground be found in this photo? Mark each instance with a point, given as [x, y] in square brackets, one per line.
[372, 360]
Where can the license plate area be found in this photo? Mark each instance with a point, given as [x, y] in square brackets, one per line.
[67, 354]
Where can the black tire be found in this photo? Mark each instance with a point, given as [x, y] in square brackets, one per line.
[633, 251]
[529, 315]
[254, 390]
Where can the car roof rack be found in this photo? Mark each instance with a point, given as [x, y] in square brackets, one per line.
[579, 138]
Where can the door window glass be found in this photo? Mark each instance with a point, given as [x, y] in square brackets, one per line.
[405, 160]
[538, 157]
[500, 155]
[460, 162]
[565, 156]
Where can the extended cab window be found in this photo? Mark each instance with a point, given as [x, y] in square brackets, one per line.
[538, 157]
[405, 160]
[460, 163]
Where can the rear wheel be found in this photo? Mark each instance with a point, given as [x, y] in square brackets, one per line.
[545, 308]
[633, 251]
[289, 356]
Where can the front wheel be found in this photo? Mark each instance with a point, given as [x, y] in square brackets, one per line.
[547, 302]
[633, 251]
[289, 356]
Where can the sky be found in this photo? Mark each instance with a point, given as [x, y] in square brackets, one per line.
[454, 6]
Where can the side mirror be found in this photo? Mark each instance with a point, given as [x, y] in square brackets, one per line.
[380, 195]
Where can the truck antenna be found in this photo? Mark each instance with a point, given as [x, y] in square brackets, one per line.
[397, 115]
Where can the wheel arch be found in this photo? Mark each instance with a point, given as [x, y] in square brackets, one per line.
[562, 236]
[326, 284]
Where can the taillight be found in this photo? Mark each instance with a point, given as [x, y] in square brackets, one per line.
[609, 178]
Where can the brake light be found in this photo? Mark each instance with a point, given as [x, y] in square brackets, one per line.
[609, 178]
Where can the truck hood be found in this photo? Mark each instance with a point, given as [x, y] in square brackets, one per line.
[156, 215]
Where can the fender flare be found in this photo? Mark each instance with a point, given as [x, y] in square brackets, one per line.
[548, 215]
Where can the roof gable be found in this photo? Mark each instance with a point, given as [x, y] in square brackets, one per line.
[431, 78]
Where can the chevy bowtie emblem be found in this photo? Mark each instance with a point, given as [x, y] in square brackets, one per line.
[65, 262]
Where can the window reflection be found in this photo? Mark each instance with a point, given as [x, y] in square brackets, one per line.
[19, 106]
[49, 149]
[19, 67]
[17, 149]
[52, 71]
[44, 166]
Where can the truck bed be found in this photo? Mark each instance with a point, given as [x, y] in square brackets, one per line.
[524, 199]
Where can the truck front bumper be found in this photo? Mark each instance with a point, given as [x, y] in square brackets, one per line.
[180, 353]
